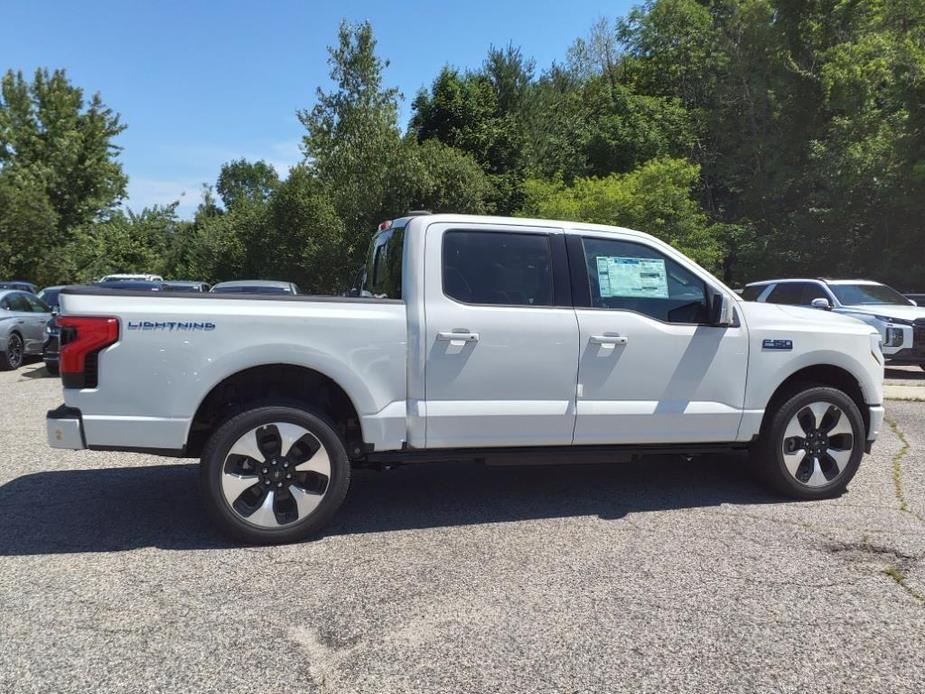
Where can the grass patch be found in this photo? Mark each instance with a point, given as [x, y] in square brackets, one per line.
[898, 468]
[900, 578]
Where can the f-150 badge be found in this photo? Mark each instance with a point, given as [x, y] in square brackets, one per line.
[777, 344]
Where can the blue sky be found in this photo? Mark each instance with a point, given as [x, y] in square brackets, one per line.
[201, 83]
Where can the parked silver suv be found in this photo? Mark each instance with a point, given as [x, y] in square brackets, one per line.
[23, 317]
[900, 320]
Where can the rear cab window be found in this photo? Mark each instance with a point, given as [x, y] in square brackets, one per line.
[382, 277]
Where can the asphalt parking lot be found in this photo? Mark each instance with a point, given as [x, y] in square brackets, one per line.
[657, 575]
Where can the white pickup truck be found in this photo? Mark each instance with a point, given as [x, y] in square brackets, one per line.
[471, 338]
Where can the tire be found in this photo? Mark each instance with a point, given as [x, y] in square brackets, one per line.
[12, 358]
[797, 456]
[291, 456]
[52, 368]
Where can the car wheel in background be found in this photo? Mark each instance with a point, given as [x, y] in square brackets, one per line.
[11, 359]
[274, 474]
[812, 443]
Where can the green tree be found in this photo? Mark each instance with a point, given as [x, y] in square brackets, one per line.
[352, 140]
[481, 113]
[241, 182]
[656, 198]
[52, 135]
[27, 230]
[125, 241]
[304, 237]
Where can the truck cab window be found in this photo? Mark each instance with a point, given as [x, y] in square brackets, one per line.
[492, 267]
[635, 277]
[382, 278]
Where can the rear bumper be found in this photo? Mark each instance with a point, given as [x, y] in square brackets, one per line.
[65, 428]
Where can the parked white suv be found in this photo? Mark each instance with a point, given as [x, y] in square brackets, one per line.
[473, 338]
[898, 319]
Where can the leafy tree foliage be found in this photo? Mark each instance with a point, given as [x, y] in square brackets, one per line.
[123, 242]
[61, 142]
[763, 137]
[656, 197]
[241, 182]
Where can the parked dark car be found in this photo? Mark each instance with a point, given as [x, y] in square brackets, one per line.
[133, 285]
[18, 285]
[50, 296]
[255, 287]
[186, 286]
[52, 346]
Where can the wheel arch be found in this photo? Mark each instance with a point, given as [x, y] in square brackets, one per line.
[818, 375]
[276, 383]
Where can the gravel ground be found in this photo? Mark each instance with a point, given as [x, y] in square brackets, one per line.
[649, 576]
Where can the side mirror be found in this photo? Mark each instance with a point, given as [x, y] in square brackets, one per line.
[822, 303]
[721, 313]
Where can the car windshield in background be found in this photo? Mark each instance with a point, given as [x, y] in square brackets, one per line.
[50, 296]
[185, 287]
[860, 294]
[250, 290]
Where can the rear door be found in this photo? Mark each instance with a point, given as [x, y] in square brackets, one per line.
[501, 337]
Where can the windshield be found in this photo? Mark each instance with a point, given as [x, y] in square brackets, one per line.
[50, 296]
[859, 294]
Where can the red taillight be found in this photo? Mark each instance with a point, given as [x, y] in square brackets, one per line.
[82, 337]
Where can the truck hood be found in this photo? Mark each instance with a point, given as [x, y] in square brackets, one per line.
[761, 314]
[909, 313]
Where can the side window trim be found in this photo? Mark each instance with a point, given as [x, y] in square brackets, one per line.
[558, 267]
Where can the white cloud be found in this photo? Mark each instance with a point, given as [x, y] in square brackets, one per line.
[147, 192]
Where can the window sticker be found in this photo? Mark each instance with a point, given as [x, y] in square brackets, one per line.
[639, 277]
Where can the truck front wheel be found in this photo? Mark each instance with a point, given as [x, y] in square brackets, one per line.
[274, 474]
[812, 443]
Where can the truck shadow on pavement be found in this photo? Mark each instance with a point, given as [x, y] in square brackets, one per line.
[116, 509]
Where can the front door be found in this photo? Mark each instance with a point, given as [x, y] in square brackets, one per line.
[651, 369]
[501, 337]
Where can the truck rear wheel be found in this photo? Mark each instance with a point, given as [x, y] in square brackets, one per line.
[274, 474]
[812, 445]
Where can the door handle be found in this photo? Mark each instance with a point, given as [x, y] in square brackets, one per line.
[458, 337]
[607, 340]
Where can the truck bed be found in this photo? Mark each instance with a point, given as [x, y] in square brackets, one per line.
[173, 349]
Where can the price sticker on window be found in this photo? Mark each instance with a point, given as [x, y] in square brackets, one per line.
[632, 277]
